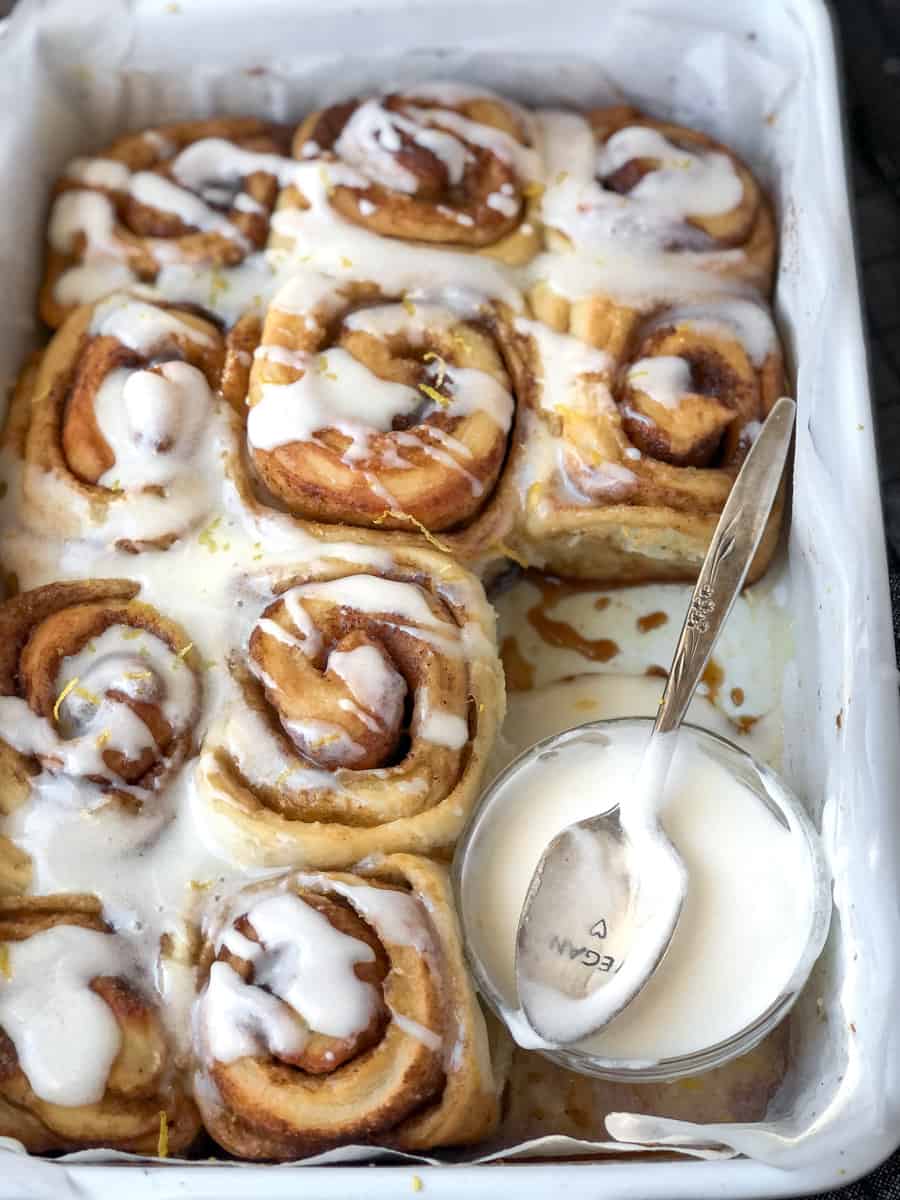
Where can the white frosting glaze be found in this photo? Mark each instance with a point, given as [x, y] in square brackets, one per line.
[654, 214]
[665, 378]
[152, 422]
[65, 1035]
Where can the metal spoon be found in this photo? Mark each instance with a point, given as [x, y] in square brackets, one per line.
[621, 864]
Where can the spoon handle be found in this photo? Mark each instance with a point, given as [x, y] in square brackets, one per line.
[727, 561]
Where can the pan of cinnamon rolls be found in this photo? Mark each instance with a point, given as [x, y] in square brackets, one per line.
[306, 387]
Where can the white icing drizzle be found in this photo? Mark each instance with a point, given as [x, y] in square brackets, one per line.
[665, 378]
[440, 727]
[377, 688]
[308, 963]
[141, 326]
[572, 374]
[427, 1037]
[653, 214]
[65, 1035]
[338, 391]
[92, 721]
[100, 172]
[152, 422]
[727, 316]
[683, 182]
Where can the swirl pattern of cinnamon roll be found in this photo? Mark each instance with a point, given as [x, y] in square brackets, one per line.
[366, 706]
[96, 686]
[336, 1008]
[123, 426]
[635, 448]
[111, 1086]
[161, 203]
[440, 163]
[385, 412]
[627, 180]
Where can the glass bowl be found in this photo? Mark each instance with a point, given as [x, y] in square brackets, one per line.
[760, 780]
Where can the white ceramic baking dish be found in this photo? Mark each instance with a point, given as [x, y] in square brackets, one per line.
[74, 75]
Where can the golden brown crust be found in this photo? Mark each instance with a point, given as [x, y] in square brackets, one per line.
[138, 1088]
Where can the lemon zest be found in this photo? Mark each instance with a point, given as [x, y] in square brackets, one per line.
[533, 190]
[409, 306]
[426, 533]
[138, 674]
[434, 395]
[129, 635]
[162, 1146]
[5, 964]
[206, 539]
[561, 178]
[345, 261]
[442, 366]
[417, 1184]
[102, 738]
[70, 687]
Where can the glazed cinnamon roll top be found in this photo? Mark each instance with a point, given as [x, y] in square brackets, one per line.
[122, 425]
[198, 194]
[384, 411]
[335, 1008]
[96, 685]
[622, 180]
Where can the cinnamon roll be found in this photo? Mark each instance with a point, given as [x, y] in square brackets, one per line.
[125, 424]
[336, 1009]
[440, 163]
[366, 702]
[84, 1059]
[176, 208]
[618, 179]
[636, 438]
[95, 686]
[387, 412]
